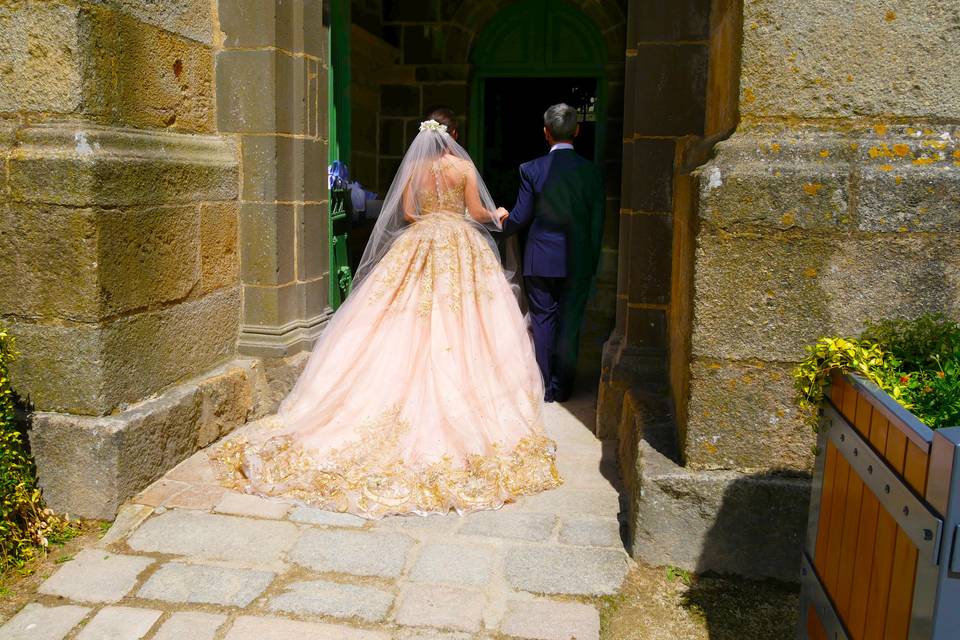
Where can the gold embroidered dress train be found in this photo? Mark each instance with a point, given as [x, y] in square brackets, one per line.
[424, 394]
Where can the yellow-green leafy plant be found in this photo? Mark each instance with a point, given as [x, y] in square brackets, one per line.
[847, 355]
[26, 527]
[916, 361]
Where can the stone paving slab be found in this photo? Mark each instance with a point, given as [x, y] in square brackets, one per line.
[260, 628]
[241, 504]
[591, 532]
[360, 553]
[405, 578]
[128, 519]
[551, 620]
[456, 564]
[338, 600]
[199, 584]
[203, 535]
[310, 515]
[191, 625]
[509, 524]
[36, 622]
[120, 623]
[95, 575]
[441, 606]
[566, 570]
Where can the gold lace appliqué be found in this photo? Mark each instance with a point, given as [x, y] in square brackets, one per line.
[368, 477]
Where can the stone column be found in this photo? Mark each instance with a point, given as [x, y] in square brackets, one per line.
[118, 242]
[272, 93]
[835, 203]
[666, 74]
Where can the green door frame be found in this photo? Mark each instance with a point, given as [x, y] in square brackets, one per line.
[543, 67]
[338, 108]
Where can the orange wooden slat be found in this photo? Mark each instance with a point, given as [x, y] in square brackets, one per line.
[849, 407]
[856, 619]
[835, 534]
[896, 449]
[851, 522]
[848, 545]
[915, 468]
[900, 603]
[905, 558]
[879, 427]
[815, 630]
[826, 509]
[837, 388]
[862, 416]
[881, 573]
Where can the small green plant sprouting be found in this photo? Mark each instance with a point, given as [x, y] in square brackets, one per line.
[26, 527]
[676, 573]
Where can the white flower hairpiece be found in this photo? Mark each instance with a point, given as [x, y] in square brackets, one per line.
[433, 125]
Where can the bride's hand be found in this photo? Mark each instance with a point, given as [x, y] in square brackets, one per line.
[502, 214]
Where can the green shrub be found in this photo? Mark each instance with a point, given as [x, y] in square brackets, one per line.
[916, 361]
[26, 527]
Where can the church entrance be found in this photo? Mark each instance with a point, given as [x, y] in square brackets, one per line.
[513, 125]
[529, 56]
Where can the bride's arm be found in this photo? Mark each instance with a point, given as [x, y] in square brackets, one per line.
[409, 205]
[472, 197]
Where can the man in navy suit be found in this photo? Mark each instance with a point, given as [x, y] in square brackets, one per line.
[561, 204]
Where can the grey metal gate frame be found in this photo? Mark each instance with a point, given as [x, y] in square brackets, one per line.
[932, 522]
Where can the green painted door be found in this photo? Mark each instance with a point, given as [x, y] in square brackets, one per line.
[339, 149]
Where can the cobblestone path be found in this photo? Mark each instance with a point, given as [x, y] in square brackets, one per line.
[187, 560]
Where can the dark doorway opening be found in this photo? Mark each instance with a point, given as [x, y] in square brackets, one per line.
[513, 127]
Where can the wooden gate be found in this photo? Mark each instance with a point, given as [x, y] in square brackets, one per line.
[879, 560]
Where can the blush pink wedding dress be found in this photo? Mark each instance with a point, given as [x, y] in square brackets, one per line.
[423, 395]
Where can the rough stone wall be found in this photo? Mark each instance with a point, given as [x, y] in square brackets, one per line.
[130, 236]
[272, 90]
[834, 203]
[665, 104]
[119, 221]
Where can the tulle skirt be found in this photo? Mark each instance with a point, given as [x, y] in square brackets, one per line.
[422, 396]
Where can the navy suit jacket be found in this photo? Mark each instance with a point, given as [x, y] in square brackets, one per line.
[561, 200]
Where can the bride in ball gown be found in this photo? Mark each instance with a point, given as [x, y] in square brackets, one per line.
[423, 394]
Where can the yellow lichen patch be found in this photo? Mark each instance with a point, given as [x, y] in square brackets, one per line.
[891, 16]
[934, 144]
[881, 129]
[812, 188]
[902, 229]
[911, 131]
[849, 78]
[898, 179]
[824, 153]
[810, 272]
[775, 147]
[925, 160]
[886, 167]
[788, 219]
[956, 154]
[901, 150]
[854, 146]
[749, 95]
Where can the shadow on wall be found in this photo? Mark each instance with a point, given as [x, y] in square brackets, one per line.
[754, 526]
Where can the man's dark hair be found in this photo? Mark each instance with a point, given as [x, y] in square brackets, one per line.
[561, 121]
[444, 116]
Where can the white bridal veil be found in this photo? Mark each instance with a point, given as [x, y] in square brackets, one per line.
[428, 180]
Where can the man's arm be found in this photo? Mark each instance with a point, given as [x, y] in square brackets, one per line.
[522, 213]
